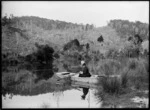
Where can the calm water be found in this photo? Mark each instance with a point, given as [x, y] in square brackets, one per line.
[23, 87]
[67, 99]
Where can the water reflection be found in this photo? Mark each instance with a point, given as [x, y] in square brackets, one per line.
[85, 92]
[67, 99]
[23, 77]
[42, 71]
[35, 85]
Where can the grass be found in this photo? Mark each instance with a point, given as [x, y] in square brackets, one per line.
[105, 66]
[111, 85]
[138, 75]
[118, 91]
[119, 101]
[133, 73]
[124, 79]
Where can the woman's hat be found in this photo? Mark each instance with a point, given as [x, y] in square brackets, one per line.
[82, 62]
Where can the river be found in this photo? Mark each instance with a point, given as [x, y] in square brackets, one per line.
[66, 99]
[23, 87]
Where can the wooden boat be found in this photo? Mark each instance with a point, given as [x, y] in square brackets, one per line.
[75, 77]
[65, 74]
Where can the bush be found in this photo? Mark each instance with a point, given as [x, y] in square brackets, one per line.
[131, 51]
[56, 55]
[124, 78]
[44, 53]
[138, 74]
[132, 64]
[109, 67]
[111, 85]
[73, 43]
[100, 39]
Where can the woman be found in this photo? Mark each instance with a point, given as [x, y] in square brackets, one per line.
[85, 70]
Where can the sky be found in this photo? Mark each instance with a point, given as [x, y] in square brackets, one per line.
[91, 12]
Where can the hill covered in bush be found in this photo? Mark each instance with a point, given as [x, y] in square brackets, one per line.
[127, 29]
[20, 34]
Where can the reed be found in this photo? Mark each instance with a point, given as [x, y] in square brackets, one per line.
[111, 85]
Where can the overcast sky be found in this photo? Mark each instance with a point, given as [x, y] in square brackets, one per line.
[92, 12]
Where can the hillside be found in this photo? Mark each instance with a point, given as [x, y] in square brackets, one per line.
[34, 29]
[127, 29]
[19, 34]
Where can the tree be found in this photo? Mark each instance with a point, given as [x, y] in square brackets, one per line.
[100, 39]
[87, 46]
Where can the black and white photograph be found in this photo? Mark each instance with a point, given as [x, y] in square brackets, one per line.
[75, 54]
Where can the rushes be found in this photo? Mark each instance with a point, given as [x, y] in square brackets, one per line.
[111, 85]
[125, 77]
[139, 74]
[133, 74]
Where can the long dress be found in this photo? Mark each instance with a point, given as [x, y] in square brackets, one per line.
[85, 73]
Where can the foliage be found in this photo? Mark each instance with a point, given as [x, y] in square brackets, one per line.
[109, 67]
[72, 44]
[124, 78]
[112, 53]
[100, 39]
[139, 74]
[133, 73]
[7, 21]
[111, 85]
[69, 43]
[126, 28]
[43, 54]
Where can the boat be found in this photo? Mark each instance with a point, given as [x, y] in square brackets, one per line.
[65, 74]
[75, 77]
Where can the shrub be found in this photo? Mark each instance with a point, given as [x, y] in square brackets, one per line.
[124, 78]
[131, 51]
[44, 53]
[138, 74]
[56, 55]
[73, 43]
[109, 67]
[112, 53]
[111, 85]
[132, 64]
[100, 39]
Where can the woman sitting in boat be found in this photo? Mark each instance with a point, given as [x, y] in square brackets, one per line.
[85, 70]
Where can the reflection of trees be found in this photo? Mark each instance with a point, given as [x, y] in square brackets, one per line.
[42, 71]
[57, 96]
[89, 100]
[21, 78]
[30, 88]
[38, 64]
